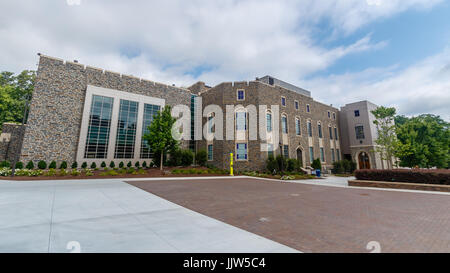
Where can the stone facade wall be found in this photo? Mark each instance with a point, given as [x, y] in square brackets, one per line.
[56, 109]
[258, 93]
[10, 141]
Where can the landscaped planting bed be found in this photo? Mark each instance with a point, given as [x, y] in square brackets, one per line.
[417, 176]
[60, 174]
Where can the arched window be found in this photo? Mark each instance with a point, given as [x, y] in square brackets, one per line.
[309, 128]
[269, 121]
[298, 130]
[319, 128]
[284, 126]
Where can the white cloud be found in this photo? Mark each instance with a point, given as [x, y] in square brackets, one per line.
[421, 88]
[180, 41]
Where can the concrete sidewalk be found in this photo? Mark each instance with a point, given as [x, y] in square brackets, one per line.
[111, 216]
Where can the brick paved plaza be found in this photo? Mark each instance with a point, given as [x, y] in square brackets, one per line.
[314, 218]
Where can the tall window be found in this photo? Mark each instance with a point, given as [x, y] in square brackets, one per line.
[126, 129]
[298, 130]
[319, 127]
[329, 114]
[359, 130]
[210, 152]
[283, 101]
[309, 128]
[241, 151]
[336, 133]
[334, 116]
[149, 112]
[311, 154]
[338, 152]
[270, 150]
[210, 124]
[333, 158]
[308, 109]
[269, 122]
[296, 105]
[331, 132]
[99, 127]
[240, 95]
[286, 151]
[322, 155]
[284, 127]
[241, 121]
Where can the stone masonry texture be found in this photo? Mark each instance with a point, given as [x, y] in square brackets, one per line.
[10, 150]
[53, 126]
[258, 93]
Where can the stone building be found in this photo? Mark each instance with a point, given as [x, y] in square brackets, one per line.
[307, 129]
[81, 114]
[359, 134]
[86, 114]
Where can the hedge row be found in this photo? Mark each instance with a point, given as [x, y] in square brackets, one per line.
[420, 176]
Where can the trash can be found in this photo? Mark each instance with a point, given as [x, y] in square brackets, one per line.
[318, 173]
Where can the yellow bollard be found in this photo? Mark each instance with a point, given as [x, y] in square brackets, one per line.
[231, 164]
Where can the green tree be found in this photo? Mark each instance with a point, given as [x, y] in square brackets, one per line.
[386, 140]
[15, 91]
[159, 137]
[424, 141]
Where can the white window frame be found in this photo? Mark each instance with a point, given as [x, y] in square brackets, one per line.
[297, 119]
[117, 96]
[285, 101]
[237, 94]
[236, 150]
[212, 152]
[287, 124]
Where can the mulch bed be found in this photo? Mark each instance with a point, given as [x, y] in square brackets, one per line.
[150, 174]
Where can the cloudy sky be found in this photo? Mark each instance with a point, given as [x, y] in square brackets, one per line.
[391, 52]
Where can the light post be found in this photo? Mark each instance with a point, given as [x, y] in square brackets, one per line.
[282, 159]
[22, 135]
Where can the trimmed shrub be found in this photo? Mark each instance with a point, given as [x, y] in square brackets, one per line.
[103, 164]
[42, 165]
[52, 165]
[63, 165]
[19, 165]
[84, 165]
[174, 158]
[144, 165]
[316, 165]
[272, 165]
[421, 176]
[338, 167]
[93, 165]
[5, 164]
[30, 165]
[74, 165]
[344, 166]
[187, 158]
[121, 165]
[293, 165]
[112, 165]
[129, 165]
[201, 157]
[282, 163]
[137, 165]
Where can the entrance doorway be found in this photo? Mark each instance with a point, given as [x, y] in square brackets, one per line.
[364, 162]
[300, 157]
